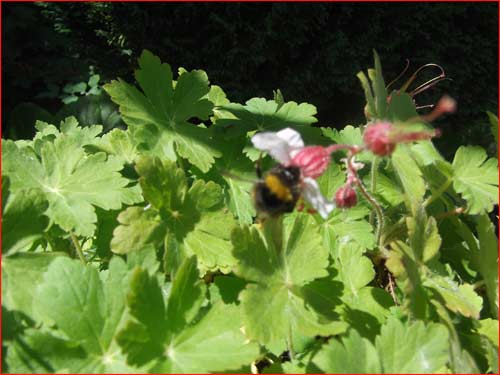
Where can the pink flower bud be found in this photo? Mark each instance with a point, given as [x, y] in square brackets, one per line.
[346, 197]
[377, 138]
[312, 160]
[446, 105]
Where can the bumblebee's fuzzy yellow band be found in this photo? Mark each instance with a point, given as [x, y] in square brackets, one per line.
[277, 188]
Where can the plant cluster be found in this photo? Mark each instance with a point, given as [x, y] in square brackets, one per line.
[138, 249]
[322, 46]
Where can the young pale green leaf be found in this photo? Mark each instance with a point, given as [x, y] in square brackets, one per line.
[486, 259]
[168, 109]
[69, 179]
[277, 299]
[118, 142]
[217, 96]
[70, 129]
[23, 220]
[457, 298]
[476, 178]
[355, 355]
[21, 274]
[412, 348]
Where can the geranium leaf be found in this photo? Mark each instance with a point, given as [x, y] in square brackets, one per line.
[276, 300]
[344, 358]
[86, 308]
[168, 109]
[425, 348]
[214, 344]
[138, 227]
[486, 259]
[266, 115]
[476, 178]
[67, 178]
[186, 295]
[23, 220]
[409, 174]
[457, 298]
[21, 274]
[188, 220]
[166, 338]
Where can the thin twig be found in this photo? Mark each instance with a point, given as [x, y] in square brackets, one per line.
[78, 248]
[390, 286]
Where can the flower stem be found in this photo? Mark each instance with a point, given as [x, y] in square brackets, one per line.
[78, 248]
[373, 181]
[372, 201]
[378, 212]
[291, 352]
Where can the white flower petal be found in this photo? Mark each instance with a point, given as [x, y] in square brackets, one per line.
[273, 145]
[313, 195]
[292, 137]
[281, 145]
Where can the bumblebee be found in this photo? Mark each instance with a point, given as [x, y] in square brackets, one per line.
[278, 191]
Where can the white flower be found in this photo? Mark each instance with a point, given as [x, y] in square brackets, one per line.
[287, 147]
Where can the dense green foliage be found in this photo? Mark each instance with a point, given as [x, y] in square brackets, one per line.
[310, 51]
[138, 250]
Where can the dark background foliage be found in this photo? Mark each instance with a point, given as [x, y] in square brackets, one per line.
[311, 51]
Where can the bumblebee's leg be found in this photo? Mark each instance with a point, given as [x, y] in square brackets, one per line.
[258, 169]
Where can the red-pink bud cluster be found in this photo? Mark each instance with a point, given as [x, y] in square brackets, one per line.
[346, 197]
[377, 138]
[312, 160]
[381, 138]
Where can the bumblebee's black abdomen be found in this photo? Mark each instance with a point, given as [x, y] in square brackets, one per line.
[279, 191]
[267, 202]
